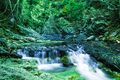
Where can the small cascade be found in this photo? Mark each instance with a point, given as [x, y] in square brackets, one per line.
[85, 65]
[22, 53]
[47, 58]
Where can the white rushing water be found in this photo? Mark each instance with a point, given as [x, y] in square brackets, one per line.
[51, 62]
[44, 63]
[86, 66]
[24, 56]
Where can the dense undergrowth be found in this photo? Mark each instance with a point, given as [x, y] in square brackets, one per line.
[93, 17]
[27, 22]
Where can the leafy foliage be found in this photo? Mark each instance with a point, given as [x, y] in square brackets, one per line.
[23, 22]
[32, 18]
[95, 17]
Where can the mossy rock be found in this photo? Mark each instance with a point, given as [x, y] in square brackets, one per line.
[65, 61]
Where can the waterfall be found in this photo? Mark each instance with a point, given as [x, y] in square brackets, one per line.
[22, 53]
[85, 65]
[48, 59]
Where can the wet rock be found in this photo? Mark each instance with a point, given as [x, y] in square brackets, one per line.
[65, 61]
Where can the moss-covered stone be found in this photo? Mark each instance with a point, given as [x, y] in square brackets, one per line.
[65, 61]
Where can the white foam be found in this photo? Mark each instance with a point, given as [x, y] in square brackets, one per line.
[43, 62]
[49, 66]
[85, 66]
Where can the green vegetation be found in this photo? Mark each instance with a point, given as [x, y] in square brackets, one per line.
[17, 69]
[112, 74]
[26, 23]
[31, 18]
[68, 74]
[65, 60]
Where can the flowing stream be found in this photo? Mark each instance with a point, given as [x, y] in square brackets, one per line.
[83, 62]
[86, 66]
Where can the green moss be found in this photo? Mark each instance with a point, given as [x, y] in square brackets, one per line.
[65, 60]
[68, 74]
